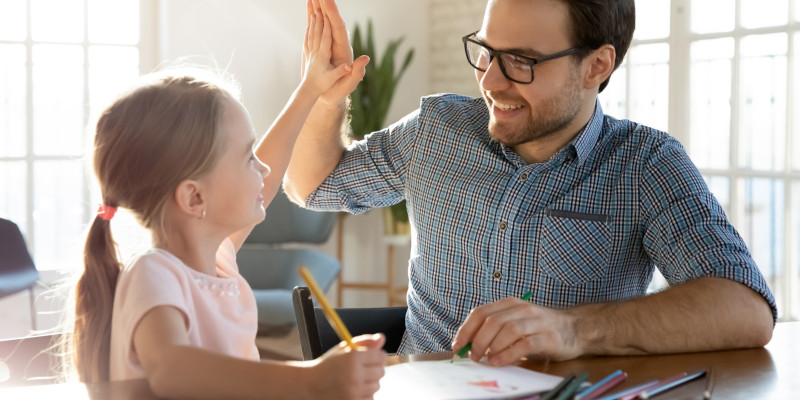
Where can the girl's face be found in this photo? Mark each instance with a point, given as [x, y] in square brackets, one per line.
[235, 183]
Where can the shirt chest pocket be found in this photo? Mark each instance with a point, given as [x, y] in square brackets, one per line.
[574, 247]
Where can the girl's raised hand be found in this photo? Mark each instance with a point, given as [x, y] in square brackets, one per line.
[319, 75]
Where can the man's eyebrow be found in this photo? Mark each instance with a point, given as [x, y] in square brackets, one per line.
[527, 52]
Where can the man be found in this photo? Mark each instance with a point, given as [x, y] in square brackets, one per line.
[533, 188]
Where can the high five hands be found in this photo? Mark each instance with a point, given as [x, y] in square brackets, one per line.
[340, 50]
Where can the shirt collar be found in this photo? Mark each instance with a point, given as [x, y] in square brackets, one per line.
[587, 138]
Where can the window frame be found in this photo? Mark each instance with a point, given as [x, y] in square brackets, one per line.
[680, 39]
[147, 50]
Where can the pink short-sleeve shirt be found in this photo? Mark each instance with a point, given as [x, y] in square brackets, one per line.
[219, 312]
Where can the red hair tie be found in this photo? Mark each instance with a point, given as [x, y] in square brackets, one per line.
[106, 212]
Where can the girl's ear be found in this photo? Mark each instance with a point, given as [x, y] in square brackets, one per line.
[601, 65]
[190, 199]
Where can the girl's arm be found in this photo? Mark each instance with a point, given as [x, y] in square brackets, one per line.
[275, 148]
[174, 369]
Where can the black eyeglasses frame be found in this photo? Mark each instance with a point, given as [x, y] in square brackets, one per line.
[494, 54]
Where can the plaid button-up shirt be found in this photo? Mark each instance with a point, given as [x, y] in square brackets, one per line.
[589, 225]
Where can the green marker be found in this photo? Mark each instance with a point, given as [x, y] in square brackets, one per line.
[467, 347]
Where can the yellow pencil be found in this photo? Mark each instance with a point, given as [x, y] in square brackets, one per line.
[333, 318]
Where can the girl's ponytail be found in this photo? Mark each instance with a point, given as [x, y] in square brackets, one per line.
[94, 302]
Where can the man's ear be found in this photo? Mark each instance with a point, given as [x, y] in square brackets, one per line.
[600, 66]
[190, 199]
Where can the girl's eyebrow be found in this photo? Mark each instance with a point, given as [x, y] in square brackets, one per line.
[250, 144]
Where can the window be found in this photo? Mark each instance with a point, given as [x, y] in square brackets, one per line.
[60, 62]
[723, 76]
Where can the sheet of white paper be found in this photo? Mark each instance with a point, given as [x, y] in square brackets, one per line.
[461, 380]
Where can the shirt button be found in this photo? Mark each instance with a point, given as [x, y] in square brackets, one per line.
[497, 274]
[523, 177]
[503, 226]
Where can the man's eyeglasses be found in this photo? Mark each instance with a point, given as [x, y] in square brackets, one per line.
[515, 67]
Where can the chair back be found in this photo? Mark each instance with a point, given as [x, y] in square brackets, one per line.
[17, 270]
[317, 336]
[29, 360]
[287, 222]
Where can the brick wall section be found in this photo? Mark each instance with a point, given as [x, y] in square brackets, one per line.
[449, 21]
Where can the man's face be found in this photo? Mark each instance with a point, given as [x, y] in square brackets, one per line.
[521, 113]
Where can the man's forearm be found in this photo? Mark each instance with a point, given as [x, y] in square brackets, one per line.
[318, 150]
[702, 315]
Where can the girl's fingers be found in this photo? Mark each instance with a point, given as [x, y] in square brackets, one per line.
[325, 42]
[318, 26]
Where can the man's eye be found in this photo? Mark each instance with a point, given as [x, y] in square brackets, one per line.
[517, 62]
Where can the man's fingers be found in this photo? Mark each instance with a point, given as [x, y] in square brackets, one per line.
[477, 319]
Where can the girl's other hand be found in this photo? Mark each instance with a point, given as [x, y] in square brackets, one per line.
[345, 373]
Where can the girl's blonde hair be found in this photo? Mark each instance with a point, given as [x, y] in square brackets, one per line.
[146, 142]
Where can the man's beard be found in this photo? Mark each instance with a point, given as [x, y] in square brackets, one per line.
[550, 117]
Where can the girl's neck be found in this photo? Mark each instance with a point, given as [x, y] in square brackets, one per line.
[197, 251]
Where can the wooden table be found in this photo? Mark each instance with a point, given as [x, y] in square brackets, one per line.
[772, 372]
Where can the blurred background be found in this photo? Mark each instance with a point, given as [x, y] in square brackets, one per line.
[722, 76]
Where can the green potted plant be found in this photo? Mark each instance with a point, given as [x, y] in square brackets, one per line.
[370, 103]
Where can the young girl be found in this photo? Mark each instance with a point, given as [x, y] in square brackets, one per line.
[178, 153]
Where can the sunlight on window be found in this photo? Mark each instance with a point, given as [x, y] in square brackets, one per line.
[111, 69]
[760, 13]
[710, 96]
[796, 91]
[57, 20]
[12, 201]
[114, 22]
[613, 97]
[763, 101]
[712, 15]
[656, 15]
[12, 100]
[763, 227]
[58, 213]
[12, 27]
[650, 76]
[58, 102]
[720, 187]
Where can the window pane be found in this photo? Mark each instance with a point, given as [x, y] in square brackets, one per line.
[57, 20]
[58, 104]
[762, 228]
[796, 99]
[13, 196]
[720, 187]
[763, 102]
[710, 108]
[613, 97]
[649, 89]
[796, 10]
[760, 13]
[12, 20]
[652, 19]
[58, 214]
[114, 22]
[12, 100]
[713, 15]
[111, 69]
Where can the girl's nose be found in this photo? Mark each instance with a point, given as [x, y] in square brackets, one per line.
[264, 169]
